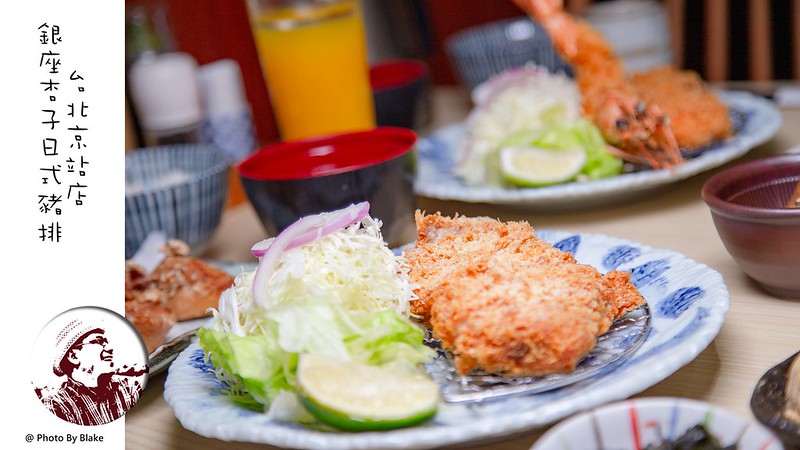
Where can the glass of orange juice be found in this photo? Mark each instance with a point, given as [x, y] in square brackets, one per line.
[314, 58]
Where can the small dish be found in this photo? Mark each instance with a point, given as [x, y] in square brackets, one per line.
[748, 204]
[768, 404]
[657, 421]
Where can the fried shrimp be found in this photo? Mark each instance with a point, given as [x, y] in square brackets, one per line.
[505, 301]
[647, 120]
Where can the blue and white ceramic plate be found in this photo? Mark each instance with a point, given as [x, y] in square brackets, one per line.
[756, 118]
[687, 302]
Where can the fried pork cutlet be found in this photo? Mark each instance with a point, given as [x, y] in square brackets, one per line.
[503, 300]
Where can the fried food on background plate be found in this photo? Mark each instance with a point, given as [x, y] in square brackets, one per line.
[696, 115]
[503, 300]
[190, 285]
[647, 119]
[179, 288]
[146, 307]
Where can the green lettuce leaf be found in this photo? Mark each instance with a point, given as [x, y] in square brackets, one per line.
[579, 133]
[256, 361]
[265, 369]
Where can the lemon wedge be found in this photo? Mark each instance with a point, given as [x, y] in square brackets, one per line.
[535, 166]
[357, 397]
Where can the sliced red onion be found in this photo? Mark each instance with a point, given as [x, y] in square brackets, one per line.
[260, 248]
[484, 93]
[303, 231]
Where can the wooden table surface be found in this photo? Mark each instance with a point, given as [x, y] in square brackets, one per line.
[759, 330]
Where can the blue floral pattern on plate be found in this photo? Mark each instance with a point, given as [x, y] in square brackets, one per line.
[756, 119]
[688, 303]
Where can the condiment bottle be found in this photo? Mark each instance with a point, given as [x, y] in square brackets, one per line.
[229, 122]
[166, 96]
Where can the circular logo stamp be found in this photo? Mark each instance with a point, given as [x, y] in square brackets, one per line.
[90, 366]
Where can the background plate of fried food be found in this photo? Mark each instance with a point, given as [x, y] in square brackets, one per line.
[687, 303]
[755, 120]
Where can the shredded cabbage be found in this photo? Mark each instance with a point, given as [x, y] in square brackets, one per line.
[529, 106]
[520, 99]
[344, 295]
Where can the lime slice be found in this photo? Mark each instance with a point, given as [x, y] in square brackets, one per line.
[357, 397]
[534, 166]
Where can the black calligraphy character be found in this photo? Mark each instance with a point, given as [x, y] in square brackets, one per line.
[49, 202]
[49, 35]
[80, 195]
[54, 170]
[50, 59]
[52, 122]
[74, 77]
[50, 232]
[78, 142]
[83, 109]
[49, 145]
[50, 85]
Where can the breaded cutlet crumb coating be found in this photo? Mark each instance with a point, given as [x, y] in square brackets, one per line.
[503, 300]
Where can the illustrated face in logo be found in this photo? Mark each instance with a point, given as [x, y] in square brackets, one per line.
[93, 354]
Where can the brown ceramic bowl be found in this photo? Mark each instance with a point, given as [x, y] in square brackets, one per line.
[748, 203]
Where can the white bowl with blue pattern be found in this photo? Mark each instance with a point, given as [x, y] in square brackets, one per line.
[687, 301]
[178, 189]
[481, 51]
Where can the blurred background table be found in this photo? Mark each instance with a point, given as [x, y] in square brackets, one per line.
[759, 332]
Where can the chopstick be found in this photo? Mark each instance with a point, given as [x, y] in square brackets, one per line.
[794, 202]
[163, 356]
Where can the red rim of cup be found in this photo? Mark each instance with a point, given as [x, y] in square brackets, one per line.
[395, 73]
[327, 155]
